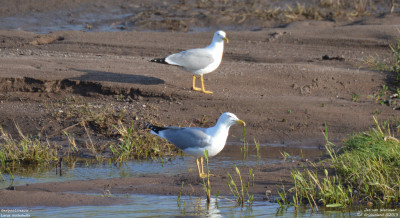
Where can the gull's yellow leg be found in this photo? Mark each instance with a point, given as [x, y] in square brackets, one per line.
[202, 86]
[201, 169]
[194, 85]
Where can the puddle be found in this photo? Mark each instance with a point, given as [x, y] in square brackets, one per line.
[77, 19]
[84, 171]
[231, 155]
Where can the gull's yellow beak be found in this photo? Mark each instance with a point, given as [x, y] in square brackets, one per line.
[226, 39]
[240, 122]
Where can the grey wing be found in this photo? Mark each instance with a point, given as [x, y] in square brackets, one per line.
[187, 137]
[193, 59]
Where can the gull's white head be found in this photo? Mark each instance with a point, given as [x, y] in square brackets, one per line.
[230, 119]
[220, 36]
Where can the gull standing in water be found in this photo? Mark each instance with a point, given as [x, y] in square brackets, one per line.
[194, 140]
[199, 61]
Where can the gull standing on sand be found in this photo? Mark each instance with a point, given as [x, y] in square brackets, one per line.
[194, 140]
[199, 61]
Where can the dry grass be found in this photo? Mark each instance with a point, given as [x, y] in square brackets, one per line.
[139, 144]
[100, 118]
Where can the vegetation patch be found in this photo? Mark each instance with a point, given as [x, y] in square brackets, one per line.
[140, 144]
[366, 171]
[100, 118]
[242, 193]
[390, 93]
[185, 15]
[90, 130]
[27, 151]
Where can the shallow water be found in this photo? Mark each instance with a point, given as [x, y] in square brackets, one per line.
[167, 206]
[62, 20]
[144, 205]
[84, 170]
[87, 169]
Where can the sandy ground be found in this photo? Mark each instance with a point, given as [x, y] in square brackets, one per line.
[287, 83]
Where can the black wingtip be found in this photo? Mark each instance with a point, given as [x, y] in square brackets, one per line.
[159, 60]
[155, 129]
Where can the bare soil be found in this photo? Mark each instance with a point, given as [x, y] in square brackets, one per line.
[287, 83]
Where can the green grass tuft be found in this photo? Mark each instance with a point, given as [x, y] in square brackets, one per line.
[366, 169]
[207, 185]
[28, 151]
[240, 195]
[370, 164]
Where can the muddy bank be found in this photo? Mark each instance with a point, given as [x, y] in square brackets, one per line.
[285, 97]
[26, 199]
[178, 15]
